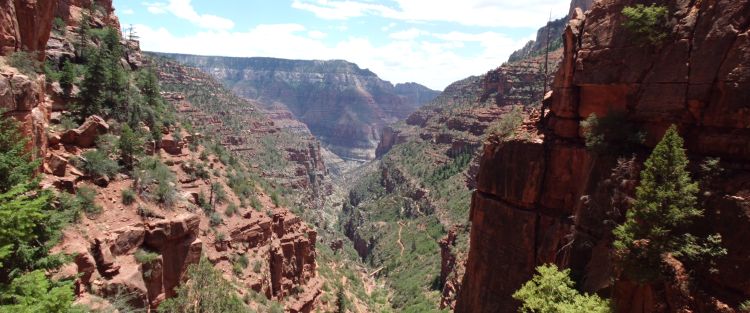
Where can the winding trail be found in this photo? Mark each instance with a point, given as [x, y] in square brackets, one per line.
[400, 227]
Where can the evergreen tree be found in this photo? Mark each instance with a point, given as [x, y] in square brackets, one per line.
[68, 78]
[15, 162]
[552, 291]
[33, 292]
[117, 77]
[131, 145]
[664, 209]
[93, 95]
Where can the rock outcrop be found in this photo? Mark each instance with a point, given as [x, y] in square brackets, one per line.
[342, 105]
[698, 79]
[25, 25]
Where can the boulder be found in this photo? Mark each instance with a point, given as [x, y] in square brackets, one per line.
[85, 135]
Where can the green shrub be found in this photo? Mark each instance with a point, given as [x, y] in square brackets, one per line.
[275, 198]
[68, 78]
[552, 291]
[612, 134]
[96, 163]
[203, 203]
[145, 257]
[649, 23]
[744, 306]
[128, 196]
[58, 25]
[34, 292]
[664, 209]
[507, 124]
[204, 290]
[86, 197]
[219, 194]
[15, 161]
[255, 203]
[157, 181]
[257, 266]
[231, 210]
[25, 62]
[215, 219]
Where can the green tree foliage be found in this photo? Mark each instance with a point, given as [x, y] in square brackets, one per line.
[665, 208]
[130, 145]
[93, 93]
[15, 164]
[649, 23]
[21, 214]
[552, 291]
[68, 78]
[205, 291]
[612, 134]
[33, 292]
[156, 181]
[97, 163]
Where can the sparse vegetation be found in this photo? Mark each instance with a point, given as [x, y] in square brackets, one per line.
[145, 257]
[205, 290]
[128, 196]
[507, 124]
[25, 62]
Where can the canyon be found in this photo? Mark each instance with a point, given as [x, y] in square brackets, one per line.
[317, 186]
[344, 106]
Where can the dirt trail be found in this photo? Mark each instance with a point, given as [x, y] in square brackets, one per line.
[400, 227]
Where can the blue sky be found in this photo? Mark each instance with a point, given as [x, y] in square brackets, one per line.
[432, 42]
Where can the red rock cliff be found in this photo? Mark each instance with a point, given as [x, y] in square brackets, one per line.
[527, 190]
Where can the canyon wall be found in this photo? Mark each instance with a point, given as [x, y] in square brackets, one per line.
[529, 188]
[342, 105]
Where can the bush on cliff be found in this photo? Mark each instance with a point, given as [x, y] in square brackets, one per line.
[204, 291]
[552, 291]
[664, 210]
[649, 23]
[612, 134]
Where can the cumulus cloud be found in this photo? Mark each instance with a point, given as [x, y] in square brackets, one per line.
[490, 13]
[184, 10]
[419, 56]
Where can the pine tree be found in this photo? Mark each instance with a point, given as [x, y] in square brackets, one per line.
[131, 145]
[68, 78]
[665, 207]
[15, 162]
[117, 77]
[93, 87]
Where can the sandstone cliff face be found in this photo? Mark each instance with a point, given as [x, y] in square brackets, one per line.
[342, 105]
[527, 189]
[25, 25]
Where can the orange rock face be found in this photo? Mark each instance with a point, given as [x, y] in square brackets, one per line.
[25, 25]
[527, 192]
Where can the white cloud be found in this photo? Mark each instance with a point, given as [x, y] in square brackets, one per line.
[491, 13]
[409, 34]
[184, 10]
[434, 62]
[316, 34]
[127, 11]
